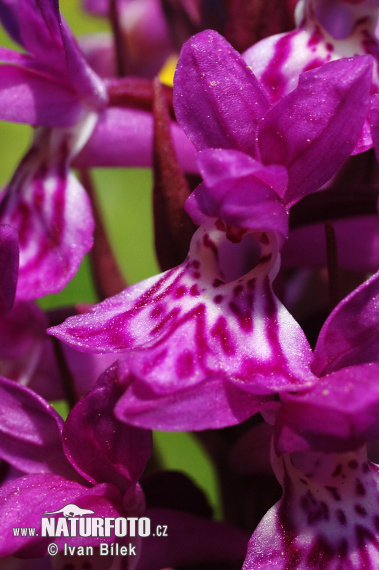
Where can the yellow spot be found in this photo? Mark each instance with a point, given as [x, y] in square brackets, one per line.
[166, 74]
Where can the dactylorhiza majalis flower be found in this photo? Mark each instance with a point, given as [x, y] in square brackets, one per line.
[95, 461]
[52, 86]
[327, 30]
[208, 343]
[329, 512]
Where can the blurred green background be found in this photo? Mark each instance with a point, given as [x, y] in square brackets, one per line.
[125, 199]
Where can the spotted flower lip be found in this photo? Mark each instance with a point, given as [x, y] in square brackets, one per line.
[205, 327]
[327, 517]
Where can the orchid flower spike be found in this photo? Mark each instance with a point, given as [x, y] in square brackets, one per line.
[210, 334]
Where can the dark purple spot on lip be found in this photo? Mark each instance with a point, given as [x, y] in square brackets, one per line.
[337, 471]
[329, 47]
[218, 299]
[238, 289]
[341, 517]
[197, 275]
[221, 332]
[156, 311]
[244, 318]
[217, 283]
[334, 492]
[353, 464]
[180, 292]
[194, 291]
[360, 488]
[360, 510]
[195, 263]
[184, 364]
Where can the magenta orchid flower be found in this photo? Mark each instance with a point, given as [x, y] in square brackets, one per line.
[328, 514]
[327, 30]
[52, 87]
[210, 334]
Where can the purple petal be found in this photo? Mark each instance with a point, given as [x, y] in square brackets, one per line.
[240, 191]
[217, 99]
[24, 501]
[28, 96]
[327, 517]
[340, 413]
[350, 334]
[38, 26]
[8, 267]
[304, 130]
[124, 137]
[52, 215]
[100, 447]
[30, 431]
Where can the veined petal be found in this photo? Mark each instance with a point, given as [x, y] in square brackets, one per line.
[217, 99]
[8, 267]
[38, 26]
[303, 131]
[350, 334]
[51, 213]
[29, 96]
[101, 448]
[215, 314]
[327, 518]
